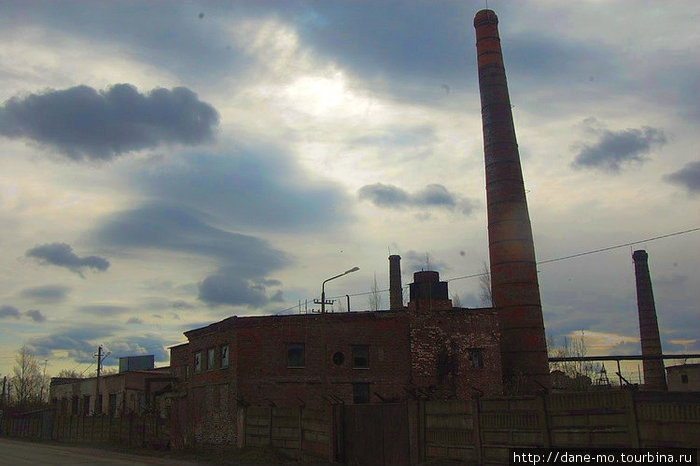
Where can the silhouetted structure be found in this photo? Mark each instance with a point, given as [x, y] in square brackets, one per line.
[514, 285]
[654, 375]
[395, 291]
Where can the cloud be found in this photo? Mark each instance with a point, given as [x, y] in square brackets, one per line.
[81, 122]
[134, 320]
[78, 341]
[103, 309]
[616, 148]
[256, 186]
[47, 293]
[36, 315]
[9, 311]
[62, 255]
[433, 195]
[687, 177]
[81, 343]
[245, 261]
[416, 261]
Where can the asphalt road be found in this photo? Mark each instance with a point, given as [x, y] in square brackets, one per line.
[17, 453]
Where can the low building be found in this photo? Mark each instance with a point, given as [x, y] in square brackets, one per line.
[130, 391]
[683, 378]
[428, 349]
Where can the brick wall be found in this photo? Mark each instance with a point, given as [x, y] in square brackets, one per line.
[446, 346]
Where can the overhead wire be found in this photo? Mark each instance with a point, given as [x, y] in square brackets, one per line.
[547, 261]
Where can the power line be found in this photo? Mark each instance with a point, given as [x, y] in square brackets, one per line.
[610, 248]
[547, 261]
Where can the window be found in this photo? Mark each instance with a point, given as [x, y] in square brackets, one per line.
[338, 358]
[360, 393]
[684, 378]
[224, 355]
[475, 357]
[86, 405]
[295, 355]
[198, 361]
[360, 357]
[211, 354]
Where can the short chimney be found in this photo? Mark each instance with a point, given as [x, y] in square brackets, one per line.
[654, 376]
[395, 291]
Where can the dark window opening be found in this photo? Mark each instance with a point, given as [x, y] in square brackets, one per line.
[360, 357]
[475, 357]
[198, 362]
[74, 405]
[86, 405]
[295, 355]
[224, 355]
[684, 378]
[360, 393]
[211, 358]
[338, 358]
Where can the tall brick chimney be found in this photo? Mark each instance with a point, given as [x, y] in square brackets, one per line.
[514, 285]
[395, 291]
[654, 376]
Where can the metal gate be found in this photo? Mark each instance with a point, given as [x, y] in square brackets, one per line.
[375, 434]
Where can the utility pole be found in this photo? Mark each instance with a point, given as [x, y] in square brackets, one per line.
[98, 400]
[43, 382]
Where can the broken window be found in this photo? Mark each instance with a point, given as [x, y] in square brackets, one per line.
[198, 361]
[475, 357]
[211, 357]
[360, 357]
[360, 393]
[224, 355]
[295, 355]
[684, 378]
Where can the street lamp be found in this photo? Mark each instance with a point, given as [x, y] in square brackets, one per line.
[323, 287]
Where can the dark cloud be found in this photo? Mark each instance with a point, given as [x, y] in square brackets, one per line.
[616, 148]
[414, 261]
[134, 320]
[103, 309]
[81, 122]
[47, 293]
[81, 343]
[36, 315]
[433, 195]
[687, 177]
[222, 288]
[180, 304]
[245, 261]
[200, 51]
[395, 50]
[257, 186]
[9, 311]
[62, 255]
[183, 230]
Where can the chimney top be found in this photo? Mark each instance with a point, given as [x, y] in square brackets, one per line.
[640, 255]
[485, 17]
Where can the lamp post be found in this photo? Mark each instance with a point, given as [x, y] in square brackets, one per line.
[323, 287]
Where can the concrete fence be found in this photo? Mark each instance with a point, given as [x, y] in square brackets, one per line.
[133, 430]
[481, 431]
[300, 433]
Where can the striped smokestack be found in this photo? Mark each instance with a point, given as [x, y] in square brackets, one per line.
[395, 291]
[514, 287]
[654, 376]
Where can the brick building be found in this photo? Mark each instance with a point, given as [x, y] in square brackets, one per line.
[427, 349]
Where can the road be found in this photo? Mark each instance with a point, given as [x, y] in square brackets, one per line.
[17, 452]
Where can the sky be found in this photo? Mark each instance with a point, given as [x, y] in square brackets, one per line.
[165, 165]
